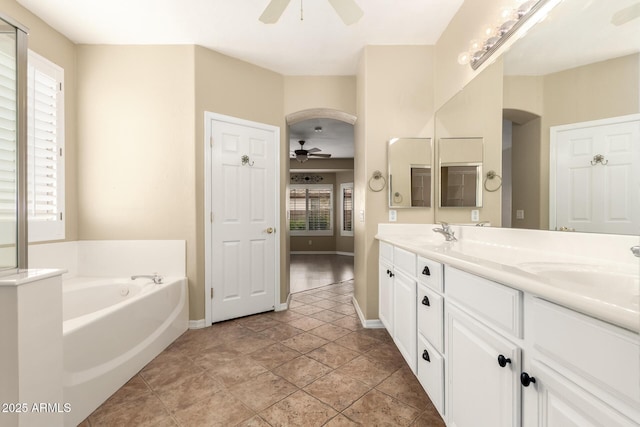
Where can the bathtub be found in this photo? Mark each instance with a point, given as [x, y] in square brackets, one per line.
[111, 329]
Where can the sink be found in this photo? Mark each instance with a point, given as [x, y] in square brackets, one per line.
[599, 281]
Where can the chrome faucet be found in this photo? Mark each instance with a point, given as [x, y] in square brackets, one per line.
[157, 279]
[447, 232]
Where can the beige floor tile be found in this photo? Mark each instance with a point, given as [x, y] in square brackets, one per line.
[404, 386]
[326, 303]
[187, 391]
[306, 323]
[281, 332]
[429, 418]
[236, 371]
[337, 390]
[378, 409]
[333, 355]
[299, 409]
[263, 391]
[284, 316]
[305, 342]
[380, 334]
[144, 411]
[387, 354]
[307, 309]
[274, 355]
[258, 322]
[301, 371]
[325, 294]
[348, 322]
[330, 332]
[342, 299]
[165, 370]
[305, 298]
[327, 315]
[358, 342]
[369, 371]
[254, 421]
[220, 409]
[341, 421]
[344, 309]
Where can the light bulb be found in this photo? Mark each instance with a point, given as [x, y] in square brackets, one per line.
[464, 58]
[475, 45]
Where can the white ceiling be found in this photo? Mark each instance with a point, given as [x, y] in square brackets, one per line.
[318, 45]
[336, 137]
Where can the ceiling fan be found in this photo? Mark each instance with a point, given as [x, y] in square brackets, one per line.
[303, 155]
[348, 11]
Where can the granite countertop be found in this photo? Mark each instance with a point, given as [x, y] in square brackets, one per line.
[597, 287]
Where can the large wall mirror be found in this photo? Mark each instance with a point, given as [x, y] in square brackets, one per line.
[410, 180]
[578, 68]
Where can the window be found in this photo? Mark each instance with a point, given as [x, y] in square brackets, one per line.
[311, 210]
[45, 143]
[346, 209]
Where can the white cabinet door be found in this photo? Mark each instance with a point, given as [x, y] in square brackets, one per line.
[554, 401]
[385, 295]
[404, 317]
[480, 392]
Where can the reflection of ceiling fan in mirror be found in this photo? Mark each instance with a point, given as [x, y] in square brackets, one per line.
[303, 155]
[348, 11]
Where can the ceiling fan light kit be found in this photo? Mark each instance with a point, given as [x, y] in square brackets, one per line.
[303, 155]
[347, 10]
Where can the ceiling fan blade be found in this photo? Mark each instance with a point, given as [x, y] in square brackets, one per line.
[320, 155]
[273, 11]
[313, 150]
[348, 10]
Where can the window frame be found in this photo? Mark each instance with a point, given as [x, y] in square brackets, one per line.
[344, 186]
[308, 187]
[48, 230]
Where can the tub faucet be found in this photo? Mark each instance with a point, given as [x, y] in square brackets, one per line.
[157, 279]
[446, 231]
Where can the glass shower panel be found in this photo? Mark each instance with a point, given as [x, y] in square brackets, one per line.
[8, 147]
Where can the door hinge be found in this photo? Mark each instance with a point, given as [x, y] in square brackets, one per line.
[60, 152]
[60, 216]
[211, 293]
[60, 86]
[211, 142]
[211, 217]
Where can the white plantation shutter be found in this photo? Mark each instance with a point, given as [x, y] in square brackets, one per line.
[311, 210]
[8, 142]
[45, 137]
[346, 209]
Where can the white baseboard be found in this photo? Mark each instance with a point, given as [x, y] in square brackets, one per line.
[371, 324]
[284, 306]
[321, 253]
[197, 324]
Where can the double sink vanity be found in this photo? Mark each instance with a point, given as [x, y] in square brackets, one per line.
[516, 327]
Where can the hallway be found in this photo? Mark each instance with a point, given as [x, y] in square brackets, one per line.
[314, 271]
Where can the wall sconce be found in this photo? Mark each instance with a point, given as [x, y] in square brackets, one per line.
[511, 19]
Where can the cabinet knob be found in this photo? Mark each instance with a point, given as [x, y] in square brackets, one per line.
[425, 356]
[502, 361]
[525, 379]
[426, 271]
[425, 301]
[391, 274]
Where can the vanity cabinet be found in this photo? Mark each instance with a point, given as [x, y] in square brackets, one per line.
[483, 371]
[488, 354]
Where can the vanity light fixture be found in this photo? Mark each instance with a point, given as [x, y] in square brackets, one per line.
[494, 36]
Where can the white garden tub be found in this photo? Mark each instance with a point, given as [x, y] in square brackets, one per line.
[111, 329]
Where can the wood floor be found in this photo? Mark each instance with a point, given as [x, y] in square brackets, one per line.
[314, 271]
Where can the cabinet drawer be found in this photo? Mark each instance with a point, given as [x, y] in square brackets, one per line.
[386, 252]
[405, 261]
[431, 373]
[430, 273]
[598, 353]
[499, 305]
[430, 316]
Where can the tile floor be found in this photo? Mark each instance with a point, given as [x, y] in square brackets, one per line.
[311, 365]
[315, 270]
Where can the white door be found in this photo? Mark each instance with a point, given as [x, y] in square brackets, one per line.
[244, 201]
[597, 176]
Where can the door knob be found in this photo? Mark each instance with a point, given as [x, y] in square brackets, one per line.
[270, 230]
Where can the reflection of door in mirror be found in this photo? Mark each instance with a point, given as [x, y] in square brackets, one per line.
[597, 176]
[409, 172]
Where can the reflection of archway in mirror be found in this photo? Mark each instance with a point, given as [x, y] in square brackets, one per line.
[318, 257]
[521, 165]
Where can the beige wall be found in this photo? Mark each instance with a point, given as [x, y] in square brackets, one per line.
[136, 157]
[466, 25]
[395, 99]
[306, 92]
[525, 157]
[236, 88]
[52, 45]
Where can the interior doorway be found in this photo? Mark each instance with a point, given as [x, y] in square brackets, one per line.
[320, 198]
